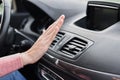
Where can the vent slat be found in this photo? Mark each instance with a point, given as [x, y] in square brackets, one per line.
[70, 52]
[80, 40]
[76, 44]
[78, 49]
[66, 53]
[58, 37]
[82, 43]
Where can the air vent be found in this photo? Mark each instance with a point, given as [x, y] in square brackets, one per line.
[57, 39]
[74, 47]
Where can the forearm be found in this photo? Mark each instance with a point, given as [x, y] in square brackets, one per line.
[42, 44]
[10, 63]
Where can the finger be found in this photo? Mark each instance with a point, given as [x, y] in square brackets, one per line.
[54, 31]
[58, 23]
[61, 17]
[52, 36]
[50, 39]
[47, 37]
[44, 38]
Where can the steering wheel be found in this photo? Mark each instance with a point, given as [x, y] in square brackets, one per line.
[5, 19]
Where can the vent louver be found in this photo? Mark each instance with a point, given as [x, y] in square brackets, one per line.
[74, 47]
[57, 39]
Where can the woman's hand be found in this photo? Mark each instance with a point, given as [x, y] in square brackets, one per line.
[42, 44]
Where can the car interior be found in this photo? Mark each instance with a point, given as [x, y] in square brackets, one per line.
[87, 47]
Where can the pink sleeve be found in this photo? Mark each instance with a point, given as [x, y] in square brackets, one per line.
[10, 63]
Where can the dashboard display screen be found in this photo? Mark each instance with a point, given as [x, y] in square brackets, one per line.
[101, 17]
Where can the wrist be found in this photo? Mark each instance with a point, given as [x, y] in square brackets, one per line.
[26, 59]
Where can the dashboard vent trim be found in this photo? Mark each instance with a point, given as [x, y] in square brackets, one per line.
[57, 39]
[74, 47]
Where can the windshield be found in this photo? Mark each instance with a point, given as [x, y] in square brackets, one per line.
[116, 1]
[2, 7]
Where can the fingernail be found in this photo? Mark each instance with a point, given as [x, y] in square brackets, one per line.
[62, 16]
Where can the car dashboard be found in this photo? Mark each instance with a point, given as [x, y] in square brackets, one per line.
[81, 50]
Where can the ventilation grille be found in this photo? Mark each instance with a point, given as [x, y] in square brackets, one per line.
[57, 39]
[74, 47]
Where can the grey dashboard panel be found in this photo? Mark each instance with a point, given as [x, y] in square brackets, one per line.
[55, 8]
[104, 54]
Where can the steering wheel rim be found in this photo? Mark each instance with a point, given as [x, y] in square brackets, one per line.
[5, 20]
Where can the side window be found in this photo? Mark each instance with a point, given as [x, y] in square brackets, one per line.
[1, 7]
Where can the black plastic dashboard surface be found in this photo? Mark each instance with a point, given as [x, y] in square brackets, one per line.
[103, 55]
